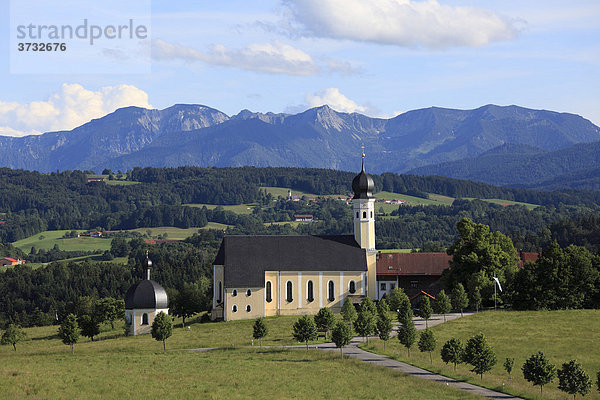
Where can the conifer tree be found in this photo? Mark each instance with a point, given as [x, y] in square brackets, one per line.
[259, 330]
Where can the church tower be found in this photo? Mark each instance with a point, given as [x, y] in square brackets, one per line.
[363, 207]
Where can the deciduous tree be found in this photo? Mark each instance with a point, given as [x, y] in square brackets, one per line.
[479, 354]
[453, 352]
[573, 379]
[349, 313]
[407, 334]
[13, 335]
[69, 331]
[162, 328]
[425, 309]
[442, 304]
[538, 370]
[89, 326]
[305, 330]
[397, 298]
[324, 319]
[341, 336]
[459, 298]
[508, 367]
[427, 342]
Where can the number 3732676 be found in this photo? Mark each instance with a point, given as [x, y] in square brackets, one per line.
[41, 46]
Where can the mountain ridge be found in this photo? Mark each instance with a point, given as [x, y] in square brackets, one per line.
[195, 134]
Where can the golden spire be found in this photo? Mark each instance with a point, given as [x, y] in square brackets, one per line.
[363, 157]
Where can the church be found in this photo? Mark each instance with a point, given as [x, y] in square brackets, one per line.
[261, 276]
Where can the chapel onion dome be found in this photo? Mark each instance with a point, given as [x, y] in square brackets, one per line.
[146, 294]
[363, 184]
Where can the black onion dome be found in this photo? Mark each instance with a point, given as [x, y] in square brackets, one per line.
[146, 294]
[363, 184]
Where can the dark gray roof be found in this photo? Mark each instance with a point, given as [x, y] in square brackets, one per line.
[246, 258]
[146, 294]
[363, 184]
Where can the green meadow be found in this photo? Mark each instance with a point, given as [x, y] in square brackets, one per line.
[114, 366]
[560, 335]
[506, 202]
[238, 208]
[47, 239]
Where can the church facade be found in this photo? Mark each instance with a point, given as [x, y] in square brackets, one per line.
[259, 276]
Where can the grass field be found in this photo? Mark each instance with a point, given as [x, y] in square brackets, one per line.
[50, 238]
[283, 192]
[238, 209]
[436, 200]
[396, 250]
[136, 368]
[174, 233]
[506, 202]
[561, 335]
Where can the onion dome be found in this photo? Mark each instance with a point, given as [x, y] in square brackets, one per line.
[146, 294]
[363, 184]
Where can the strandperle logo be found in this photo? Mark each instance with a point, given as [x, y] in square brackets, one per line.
[86, 31]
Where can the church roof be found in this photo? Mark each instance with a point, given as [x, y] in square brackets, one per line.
[246, 258]
[363, 184]
[146, 294]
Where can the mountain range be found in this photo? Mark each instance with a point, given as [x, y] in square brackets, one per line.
[498, 137]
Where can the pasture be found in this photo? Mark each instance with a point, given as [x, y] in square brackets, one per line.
[47, 239]
[560, 335]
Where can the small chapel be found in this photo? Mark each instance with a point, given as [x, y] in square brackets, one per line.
[143, 301]
[260, 276]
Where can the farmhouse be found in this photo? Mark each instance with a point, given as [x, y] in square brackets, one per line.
[7, 261]
[255, 276]
[303, 217]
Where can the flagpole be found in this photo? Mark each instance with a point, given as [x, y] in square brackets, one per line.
[494, 291]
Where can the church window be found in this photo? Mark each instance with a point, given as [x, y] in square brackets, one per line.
[310, 291]
[248, 292]
[144, 319]
[364, 214]
[371, 214]
[234, 308]
[219, 291]
[289, 290]
[331, 291]
[268, 290]
[352, 287]
[234, 292]
[248, 308]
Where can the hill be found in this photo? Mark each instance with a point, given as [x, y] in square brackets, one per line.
[319, 137]
[575, 167]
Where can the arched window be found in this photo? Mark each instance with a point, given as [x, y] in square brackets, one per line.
[364, 214]
[248, 292]
[310, 291]
[371, 214]
[289, 289]
[352, 287]
[234, 308]
[331, 291]
[268, 294]
[144, 319]
[248, 308]
[234, 292]
[357, 214]
[219, 291]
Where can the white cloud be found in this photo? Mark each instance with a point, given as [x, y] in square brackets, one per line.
[398, 22]
[275, 57]
[336, 100]
[72, 106]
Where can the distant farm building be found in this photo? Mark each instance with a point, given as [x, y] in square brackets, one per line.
[303, 217]
[95, 179]
[7, 261]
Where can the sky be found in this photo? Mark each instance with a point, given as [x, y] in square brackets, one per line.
[376, 57]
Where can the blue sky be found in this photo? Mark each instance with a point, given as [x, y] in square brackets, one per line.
[377, 57]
